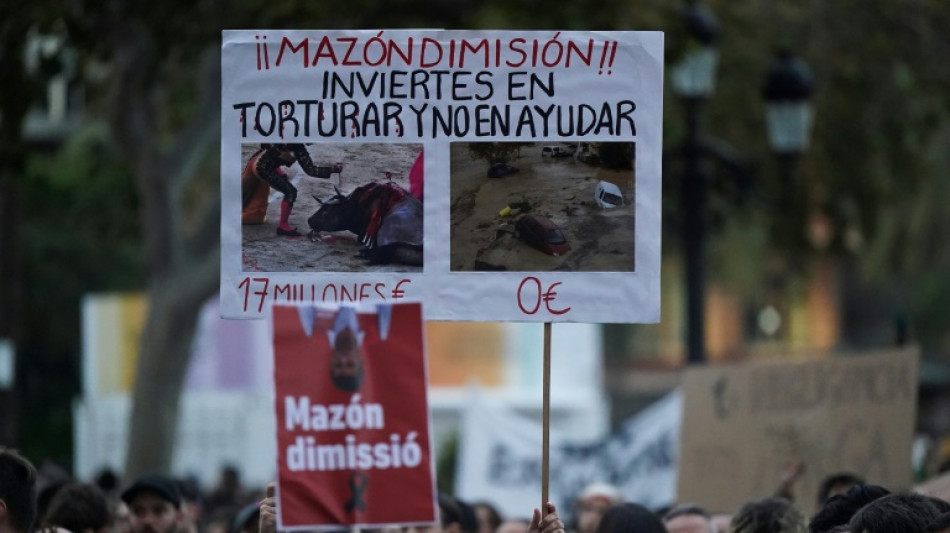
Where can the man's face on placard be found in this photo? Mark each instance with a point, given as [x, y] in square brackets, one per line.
[346, 361]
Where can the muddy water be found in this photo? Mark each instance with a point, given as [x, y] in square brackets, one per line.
[560, 189]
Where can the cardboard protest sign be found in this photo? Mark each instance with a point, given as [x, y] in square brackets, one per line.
[352, 417]
[742, 425]
[497, 175]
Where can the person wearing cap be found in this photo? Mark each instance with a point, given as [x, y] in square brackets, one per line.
[688, 518]
[591, 505]
[155, 504]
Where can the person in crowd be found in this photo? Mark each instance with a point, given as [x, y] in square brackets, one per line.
[108, 482]
[722, 522]
[468, 520]
[591, 505]
[837, 483]
[191, 507]
[263, 172]
[630, 518]
[489, 519]
[688, 518]
[46, 489]
[155, 505]
[79, 508]
[905, 513]
[228, 494]
[838, 509]
[17, 492]
[769, 515]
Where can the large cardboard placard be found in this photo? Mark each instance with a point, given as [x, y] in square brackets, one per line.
[499, 126]
[743, 425]
[352, 417]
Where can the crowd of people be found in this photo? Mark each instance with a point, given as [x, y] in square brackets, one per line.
[31, 501]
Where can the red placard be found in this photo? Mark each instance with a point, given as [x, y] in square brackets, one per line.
[352, 417]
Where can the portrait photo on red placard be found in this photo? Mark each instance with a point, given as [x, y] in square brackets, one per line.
[352, 416]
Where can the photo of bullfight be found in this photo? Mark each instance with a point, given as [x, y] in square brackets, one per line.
[331, 207]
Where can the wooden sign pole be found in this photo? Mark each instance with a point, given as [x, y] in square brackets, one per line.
[546, 419]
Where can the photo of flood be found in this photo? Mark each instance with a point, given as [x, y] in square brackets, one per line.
[547, 206]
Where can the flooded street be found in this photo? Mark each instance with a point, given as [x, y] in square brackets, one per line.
[561, 189]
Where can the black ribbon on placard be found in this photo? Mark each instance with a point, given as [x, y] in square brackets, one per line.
[358, 482]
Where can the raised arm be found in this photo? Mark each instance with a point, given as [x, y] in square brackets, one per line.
[303, 157]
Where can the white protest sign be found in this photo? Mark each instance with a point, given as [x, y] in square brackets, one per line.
[500, 458]
[510, 132]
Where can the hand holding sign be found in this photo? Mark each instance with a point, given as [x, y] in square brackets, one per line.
[550, 523]
[268, 522]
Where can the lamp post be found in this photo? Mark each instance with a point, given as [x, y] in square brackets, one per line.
[693, 80]
[789, 86]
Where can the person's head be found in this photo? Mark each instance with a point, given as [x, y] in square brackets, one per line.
[346, 358]
[17, 492]
[591, 505]
[839, 508]
[837, 483]
[488, 517]
[107, 481]
[688, 518]
[770, 515]
[155, 504]
[907, 513]
[630, 518]
[230, 479]
[79, 508]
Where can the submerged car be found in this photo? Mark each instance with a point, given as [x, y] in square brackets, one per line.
[500, 170]
[539, 232]
[608, 195]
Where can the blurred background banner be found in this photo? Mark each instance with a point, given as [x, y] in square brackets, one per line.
[744, 425]
[500, 457]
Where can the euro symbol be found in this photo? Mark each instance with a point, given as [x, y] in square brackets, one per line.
[397, 292]
[540, 295]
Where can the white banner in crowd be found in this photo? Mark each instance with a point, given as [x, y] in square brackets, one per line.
[499, 458]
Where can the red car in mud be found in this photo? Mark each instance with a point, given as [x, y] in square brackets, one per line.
[539, 232]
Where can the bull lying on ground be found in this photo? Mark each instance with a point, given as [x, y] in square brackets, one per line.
[386, 219]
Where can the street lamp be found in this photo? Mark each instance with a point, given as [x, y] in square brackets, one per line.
[694, 76]
[789, 86]
[693, 80]
[788, 89]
